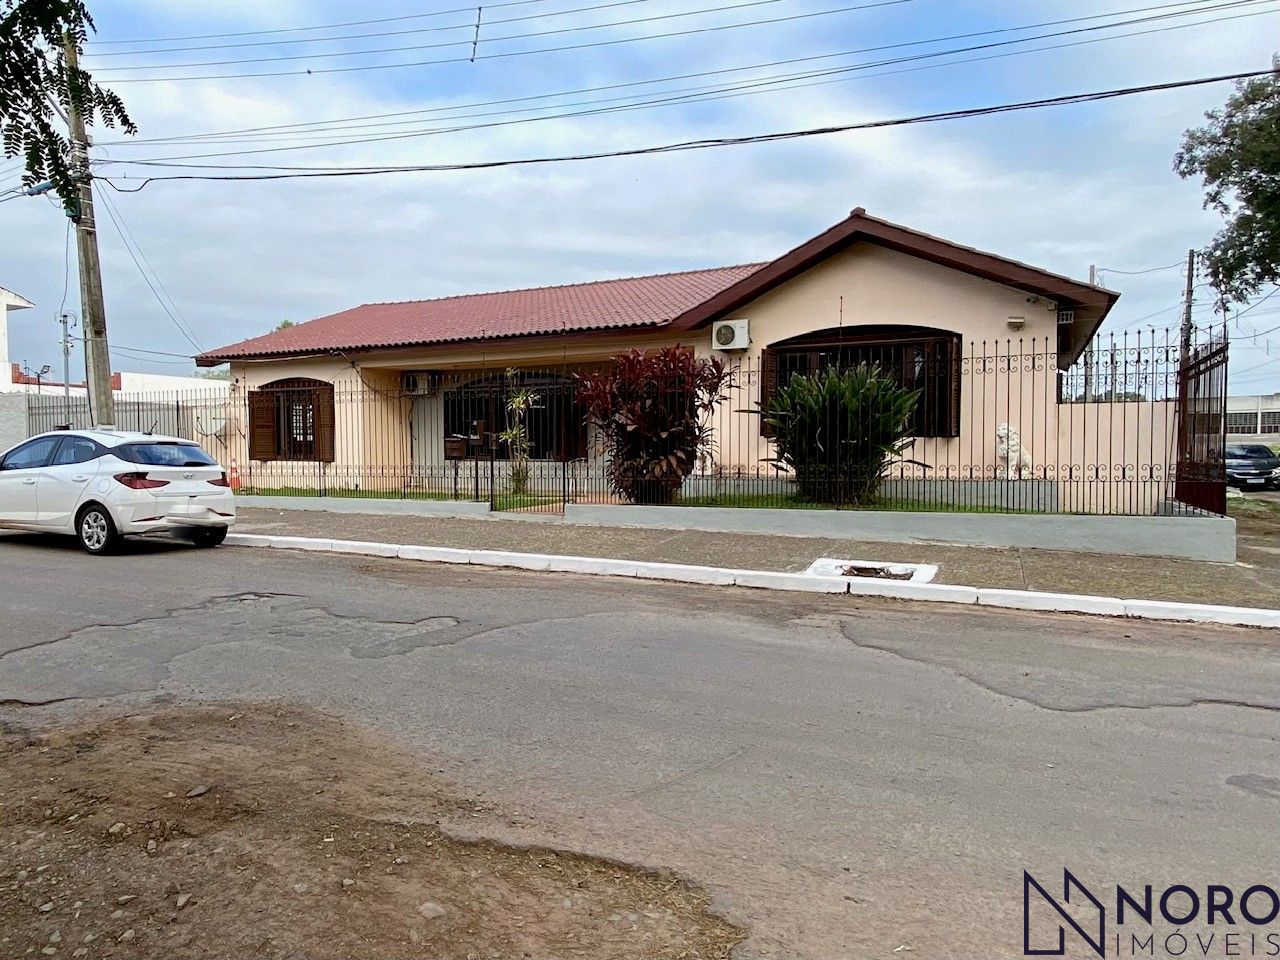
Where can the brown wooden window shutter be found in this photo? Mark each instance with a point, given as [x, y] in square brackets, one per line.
[322, 405]
[263, 442]
[768, 386]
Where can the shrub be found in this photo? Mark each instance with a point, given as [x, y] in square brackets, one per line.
[651, 411]
[836, 430]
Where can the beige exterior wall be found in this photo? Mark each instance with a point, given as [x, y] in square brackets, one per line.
[1116, 458]
[868, 284]
[357, 428]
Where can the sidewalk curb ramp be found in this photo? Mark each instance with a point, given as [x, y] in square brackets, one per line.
[805, 582]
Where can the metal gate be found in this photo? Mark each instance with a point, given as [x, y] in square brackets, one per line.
[1201, 479]
[525, 433]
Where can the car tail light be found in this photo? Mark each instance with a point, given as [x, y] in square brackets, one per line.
[221, 481]
[139, 481]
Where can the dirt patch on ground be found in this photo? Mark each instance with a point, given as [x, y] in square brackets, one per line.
[264, 831]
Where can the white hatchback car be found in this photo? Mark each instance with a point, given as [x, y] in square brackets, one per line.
[104, 484]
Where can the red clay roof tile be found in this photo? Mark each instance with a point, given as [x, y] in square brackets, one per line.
[651, 301]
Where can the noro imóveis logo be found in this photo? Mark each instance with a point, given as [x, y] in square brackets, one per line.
[1074, 894]
[1181, 920]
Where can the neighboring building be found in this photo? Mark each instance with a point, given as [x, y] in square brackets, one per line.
[32, 403]
[14, 379]
[369, 396]
[121, 382]
[1254, 418]
[9, 301]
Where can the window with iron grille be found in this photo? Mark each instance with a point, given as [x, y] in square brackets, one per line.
[1242, 422]
[915, 358]
[1270, 421]
[555, 425]
[292, 420]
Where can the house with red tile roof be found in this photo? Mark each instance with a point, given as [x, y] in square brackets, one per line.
[376, 393]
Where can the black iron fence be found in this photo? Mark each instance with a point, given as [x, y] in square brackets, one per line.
[1131, 428]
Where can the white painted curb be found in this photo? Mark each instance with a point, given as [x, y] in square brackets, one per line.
[809, 581]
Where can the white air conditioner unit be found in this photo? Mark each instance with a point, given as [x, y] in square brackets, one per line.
[731, 335]
[419, 383]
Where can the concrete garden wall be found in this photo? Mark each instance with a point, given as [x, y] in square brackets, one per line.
[1190, 538]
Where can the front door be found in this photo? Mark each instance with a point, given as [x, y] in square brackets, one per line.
[20, 474]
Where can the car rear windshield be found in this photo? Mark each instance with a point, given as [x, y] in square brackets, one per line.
[161, 454]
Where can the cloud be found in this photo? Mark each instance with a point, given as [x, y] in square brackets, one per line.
[1064, 188]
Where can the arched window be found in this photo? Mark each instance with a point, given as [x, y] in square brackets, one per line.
[916, 358]
[292, 420]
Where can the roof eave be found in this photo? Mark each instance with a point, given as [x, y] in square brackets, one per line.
[858, 227]
[215, 359]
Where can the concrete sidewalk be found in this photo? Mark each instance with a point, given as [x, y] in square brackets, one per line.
[1254, 582]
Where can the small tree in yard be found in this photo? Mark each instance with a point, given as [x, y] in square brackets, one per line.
[837, 430]
[520, 400]
[652, 411]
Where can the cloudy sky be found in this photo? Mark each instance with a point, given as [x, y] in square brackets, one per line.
[1062, 188]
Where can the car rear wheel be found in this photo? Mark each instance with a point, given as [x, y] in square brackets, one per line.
[96, 530]
[209, 537]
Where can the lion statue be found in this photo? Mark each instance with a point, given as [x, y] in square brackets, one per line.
[1011, 455]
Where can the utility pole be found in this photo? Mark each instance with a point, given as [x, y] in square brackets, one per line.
[1184, 341]
[97, 358]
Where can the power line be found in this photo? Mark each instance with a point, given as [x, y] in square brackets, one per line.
[301, 173]
[674, 96]
[1134, 323]
[1138, 273]
[1263, 333]
[117, 221]
[753, 88]
[343, 122]
[1266, 363]
[328, 26]
[158, 353]
[511, 53]
[125, 351]
[742, 4]
[469, 25]
[1258, 303]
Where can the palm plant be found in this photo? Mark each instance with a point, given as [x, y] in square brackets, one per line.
[836, 431]
[520, 400]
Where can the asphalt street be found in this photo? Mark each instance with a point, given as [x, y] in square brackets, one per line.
[847, 777]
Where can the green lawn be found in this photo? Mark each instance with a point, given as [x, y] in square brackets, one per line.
[522, 501]
[794, 501]
[505, 501]
[1249, 507]
[525, 501]
[772, 501]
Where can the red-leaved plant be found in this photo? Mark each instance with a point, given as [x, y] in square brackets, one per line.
[651, 411]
